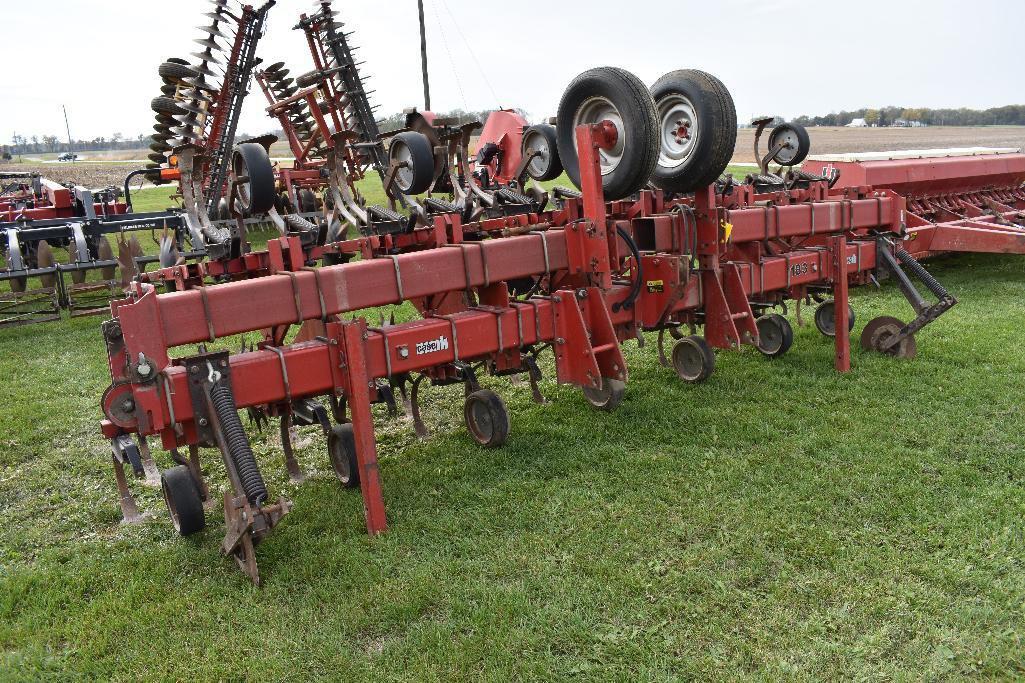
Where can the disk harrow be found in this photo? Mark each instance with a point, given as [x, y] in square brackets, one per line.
[54, 236]
[201, 99]
[494, 292]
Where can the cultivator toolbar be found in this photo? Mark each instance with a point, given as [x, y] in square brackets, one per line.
[495, 289]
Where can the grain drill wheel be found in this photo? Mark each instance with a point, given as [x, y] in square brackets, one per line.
[697, 127]
[615, 95]
[544, 140]
[693, 359]
[341, 448]
[252, 170]
[796, 143]
[608, 397]
[825, 318]
[487, 418]
[184, 503]
[878, 330]
[412, 153]
[775, 335]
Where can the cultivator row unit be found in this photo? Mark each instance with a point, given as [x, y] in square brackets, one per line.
[500, 272]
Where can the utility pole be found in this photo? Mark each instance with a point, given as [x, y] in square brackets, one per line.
[423, 57]
[67, 126]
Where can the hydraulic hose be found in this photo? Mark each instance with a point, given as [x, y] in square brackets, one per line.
[128, 193]
[635, 290]
[238, 445]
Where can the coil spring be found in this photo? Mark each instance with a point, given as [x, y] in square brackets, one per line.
[298, 223]
[238, 445]
[912, 264]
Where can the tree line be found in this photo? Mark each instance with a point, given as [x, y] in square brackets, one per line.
[1010, 115]
[50, 144]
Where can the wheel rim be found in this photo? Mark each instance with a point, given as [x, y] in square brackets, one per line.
[598, 397]
[678, 130]
[244, 189]
[771, 337]
[792, 144]
[688, 360]
[400, 153]
[481, 423]
[540, 164]
[595, 110]
[827, 318]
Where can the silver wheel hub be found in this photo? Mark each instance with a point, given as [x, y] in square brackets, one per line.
[403, 158]
[595, 110]
[788, 138]
[543, 160]
[678, 130]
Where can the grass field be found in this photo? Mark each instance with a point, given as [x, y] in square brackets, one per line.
[779, 522]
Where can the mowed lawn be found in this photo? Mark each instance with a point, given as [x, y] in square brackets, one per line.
[780, 521]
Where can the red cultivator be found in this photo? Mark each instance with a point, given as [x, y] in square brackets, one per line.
[495, 287]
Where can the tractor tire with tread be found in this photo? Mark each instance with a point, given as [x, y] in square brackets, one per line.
[715, 131]
[632, 102]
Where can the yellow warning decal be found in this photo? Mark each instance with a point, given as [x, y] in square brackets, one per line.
[656, 286]
[727, 229]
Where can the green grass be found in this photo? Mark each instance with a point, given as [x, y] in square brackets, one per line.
[779, 522]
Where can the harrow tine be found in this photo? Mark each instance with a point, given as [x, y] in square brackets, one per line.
[288, 435]
[662, 358]
[414, 409]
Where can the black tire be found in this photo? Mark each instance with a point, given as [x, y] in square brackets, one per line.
[698, 163]
[341, 448]
[825, 318]
[799, 143]
[693, 359]
[608, 397]
[545, 140]
[307, 201]
[486, 418]
[775, 335]
[257, 195]
[184, 504]
[178, 73]
[638, 141]
[166, 105]
[413, 149]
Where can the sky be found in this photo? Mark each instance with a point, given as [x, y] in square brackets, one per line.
[781, 57]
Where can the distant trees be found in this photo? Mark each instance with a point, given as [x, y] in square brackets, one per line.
[1010, 115]
[40, 144]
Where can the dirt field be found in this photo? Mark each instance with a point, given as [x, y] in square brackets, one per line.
[837, 140]
[92, 175]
